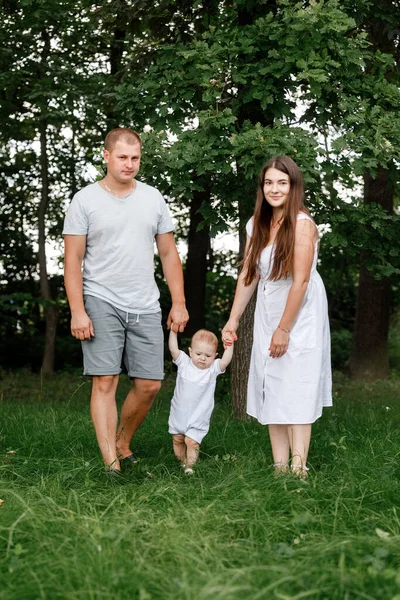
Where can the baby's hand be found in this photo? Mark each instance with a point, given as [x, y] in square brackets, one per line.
[228, 339]
[229, 333]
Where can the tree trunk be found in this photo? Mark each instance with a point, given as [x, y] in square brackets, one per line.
[50, 310]
[241, 357]
[241, 360]
[197, 264]
[115, 60]
[73, 182]
[247, 13]
[369, 357]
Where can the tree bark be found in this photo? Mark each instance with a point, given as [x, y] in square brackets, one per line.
[73, 182]
[197, 264]
[115, 60]
[253, 112]
[369, 358]
[50, 309]
[241, 361]
[241, 357]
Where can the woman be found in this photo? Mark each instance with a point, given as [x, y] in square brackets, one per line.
[290, 371]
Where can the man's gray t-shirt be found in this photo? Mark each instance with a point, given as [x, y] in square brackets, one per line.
[118, 265]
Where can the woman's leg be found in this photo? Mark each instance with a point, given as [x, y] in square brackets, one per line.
[192, 452]
[178, 443]
[278, 435]
[299, 440]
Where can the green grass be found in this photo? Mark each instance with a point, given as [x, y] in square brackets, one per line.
[232, 531]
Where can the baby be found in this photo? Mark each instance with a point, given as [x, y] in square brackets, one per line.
[193, 399]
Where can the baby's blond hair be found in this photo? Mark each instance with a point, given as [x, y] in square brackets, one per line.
[203, 335]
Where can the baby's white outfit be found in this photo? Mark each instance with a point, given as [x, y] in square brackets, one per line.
[193, 399]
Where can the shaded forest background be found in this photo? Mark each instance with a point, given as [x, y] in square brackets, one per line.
[216, 88]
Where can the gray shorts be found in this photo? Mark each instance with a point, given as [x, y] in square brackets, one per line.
[138, 340]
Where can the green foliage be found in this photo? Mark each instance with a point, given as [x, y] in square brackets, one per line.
[21, 330]
[241, 82]
[375, 229]
[220, 290]
[219, 87]
[341, 341]
[394, 342]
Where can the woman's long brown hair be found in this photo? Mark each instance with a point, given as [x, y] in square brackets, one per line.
[262, 217]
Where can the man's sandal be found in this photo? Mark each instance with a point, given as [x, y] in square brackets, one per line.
[113, 473]
[128, 461]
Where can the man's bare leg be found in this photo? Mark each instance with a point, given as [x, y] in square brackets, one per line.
[105, 417]
[134, 410]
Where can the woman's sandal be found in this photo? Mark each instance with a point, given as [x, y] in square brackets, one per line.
[280, 467]
[300, 470]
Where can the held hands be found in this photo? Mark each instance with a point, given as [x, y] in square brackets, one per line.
[229, 333]
[177, 318]
[279, 343]
[81, 326]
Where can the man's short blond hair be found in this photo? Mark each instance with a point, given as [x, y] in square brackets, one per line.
[121, 133]
[203, 335]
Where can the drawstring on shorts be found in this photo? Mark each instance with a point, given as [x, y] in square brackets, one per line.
[127, 318]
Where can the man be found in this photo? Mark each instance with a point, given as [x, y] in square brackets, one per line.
[111, 226]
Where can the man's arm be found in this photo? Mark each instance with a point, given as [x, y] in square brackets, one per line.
[74, 251]
[172, 269]
[226, 357]
[173, 344]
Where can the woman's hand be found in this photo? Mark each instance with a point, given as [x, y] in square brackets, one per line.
[229, 332]
[279, 343]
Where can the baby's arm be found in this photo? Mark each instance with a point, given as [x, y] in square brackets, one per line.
[173, 344]
[226, 357]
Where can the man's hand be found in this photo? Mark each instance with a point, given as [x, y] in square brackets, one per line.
[81, 326]
[178, 318]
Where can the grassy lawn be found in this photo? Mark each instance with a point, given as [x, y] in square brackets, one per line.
[232, 531]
